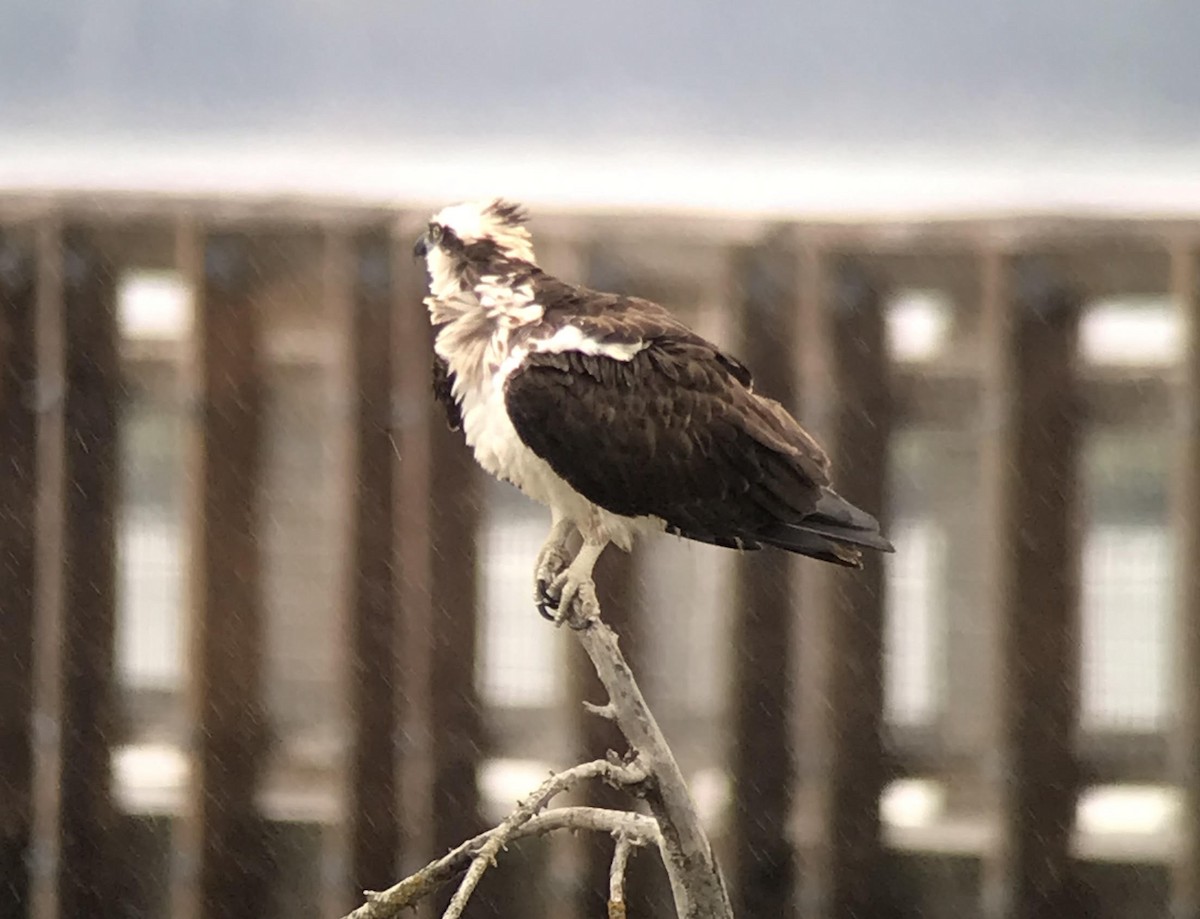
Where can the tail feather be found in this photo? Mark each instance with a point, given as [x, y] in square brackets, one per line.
[836, 521]
[834, 509]
[863, 538]
[813, 545]
[834, 531]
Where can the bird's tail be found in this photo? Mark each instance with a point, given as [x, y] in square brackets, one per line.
[833, 532]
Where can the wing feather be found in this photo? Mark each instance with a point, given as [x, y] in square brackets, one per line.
[677, 433]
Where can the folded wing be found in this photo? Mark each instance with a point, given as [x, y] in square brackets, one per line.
[677, 432]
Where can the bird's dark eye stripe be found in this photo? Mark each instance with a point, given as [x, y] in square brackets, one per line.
[481, 250]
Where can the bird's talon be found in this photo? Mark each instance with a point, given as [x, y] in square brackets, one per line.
[545, 600]
[547, 580]
[577, 605]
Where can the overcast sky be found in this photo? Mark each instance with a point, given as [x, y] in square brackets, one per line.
[1071, 70]
[1056, 77]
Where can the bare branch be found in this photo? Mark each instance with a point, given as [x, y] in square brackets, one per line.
[616, 877]
[389, 903]
[637, 828]
[696, 881]
[604, 711]
[620, 775]
[642, 829]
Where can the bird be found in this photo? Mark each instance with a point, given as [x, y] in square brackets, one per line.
[614, 414]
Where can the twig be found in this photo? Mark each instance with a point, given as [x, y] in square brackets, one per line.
[389, 903]
[696, 882]
[618, 774]
[606, 711]
[639, 829]
[525, 821]
[616, 877]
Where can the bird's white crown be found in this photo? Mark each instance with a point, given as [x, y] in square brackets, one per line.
[494, 219]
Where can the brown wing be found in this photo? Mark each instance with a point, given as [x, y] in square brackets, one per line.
[616, 319]
[673, 433]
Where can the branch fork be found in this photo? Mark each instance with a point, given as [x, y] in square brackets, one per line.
[650, 772]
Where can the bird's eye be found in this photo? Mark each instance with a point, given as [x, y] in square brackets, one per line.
[435, 233]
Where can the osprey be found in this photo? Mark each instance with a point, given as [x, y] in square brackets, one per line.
[614, 414]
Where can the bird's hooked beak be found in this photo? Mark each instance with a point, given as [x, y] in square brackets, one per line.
[421, 246]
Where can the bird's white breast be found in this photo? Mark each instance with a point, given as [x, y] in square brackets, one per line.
[479, 376]
[490, 434]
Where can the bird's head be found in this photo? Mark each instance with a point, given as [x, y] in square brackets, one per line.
[464, 241]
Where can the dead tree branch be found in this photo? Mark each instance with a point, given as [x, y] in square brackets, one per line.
[623, 776]
[696, 882]
[651, 773]
[616, 877]
[390, 903]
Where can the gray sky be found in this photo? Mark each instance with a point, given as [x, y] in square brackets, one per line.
[1069, 71]
[1032, 81]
